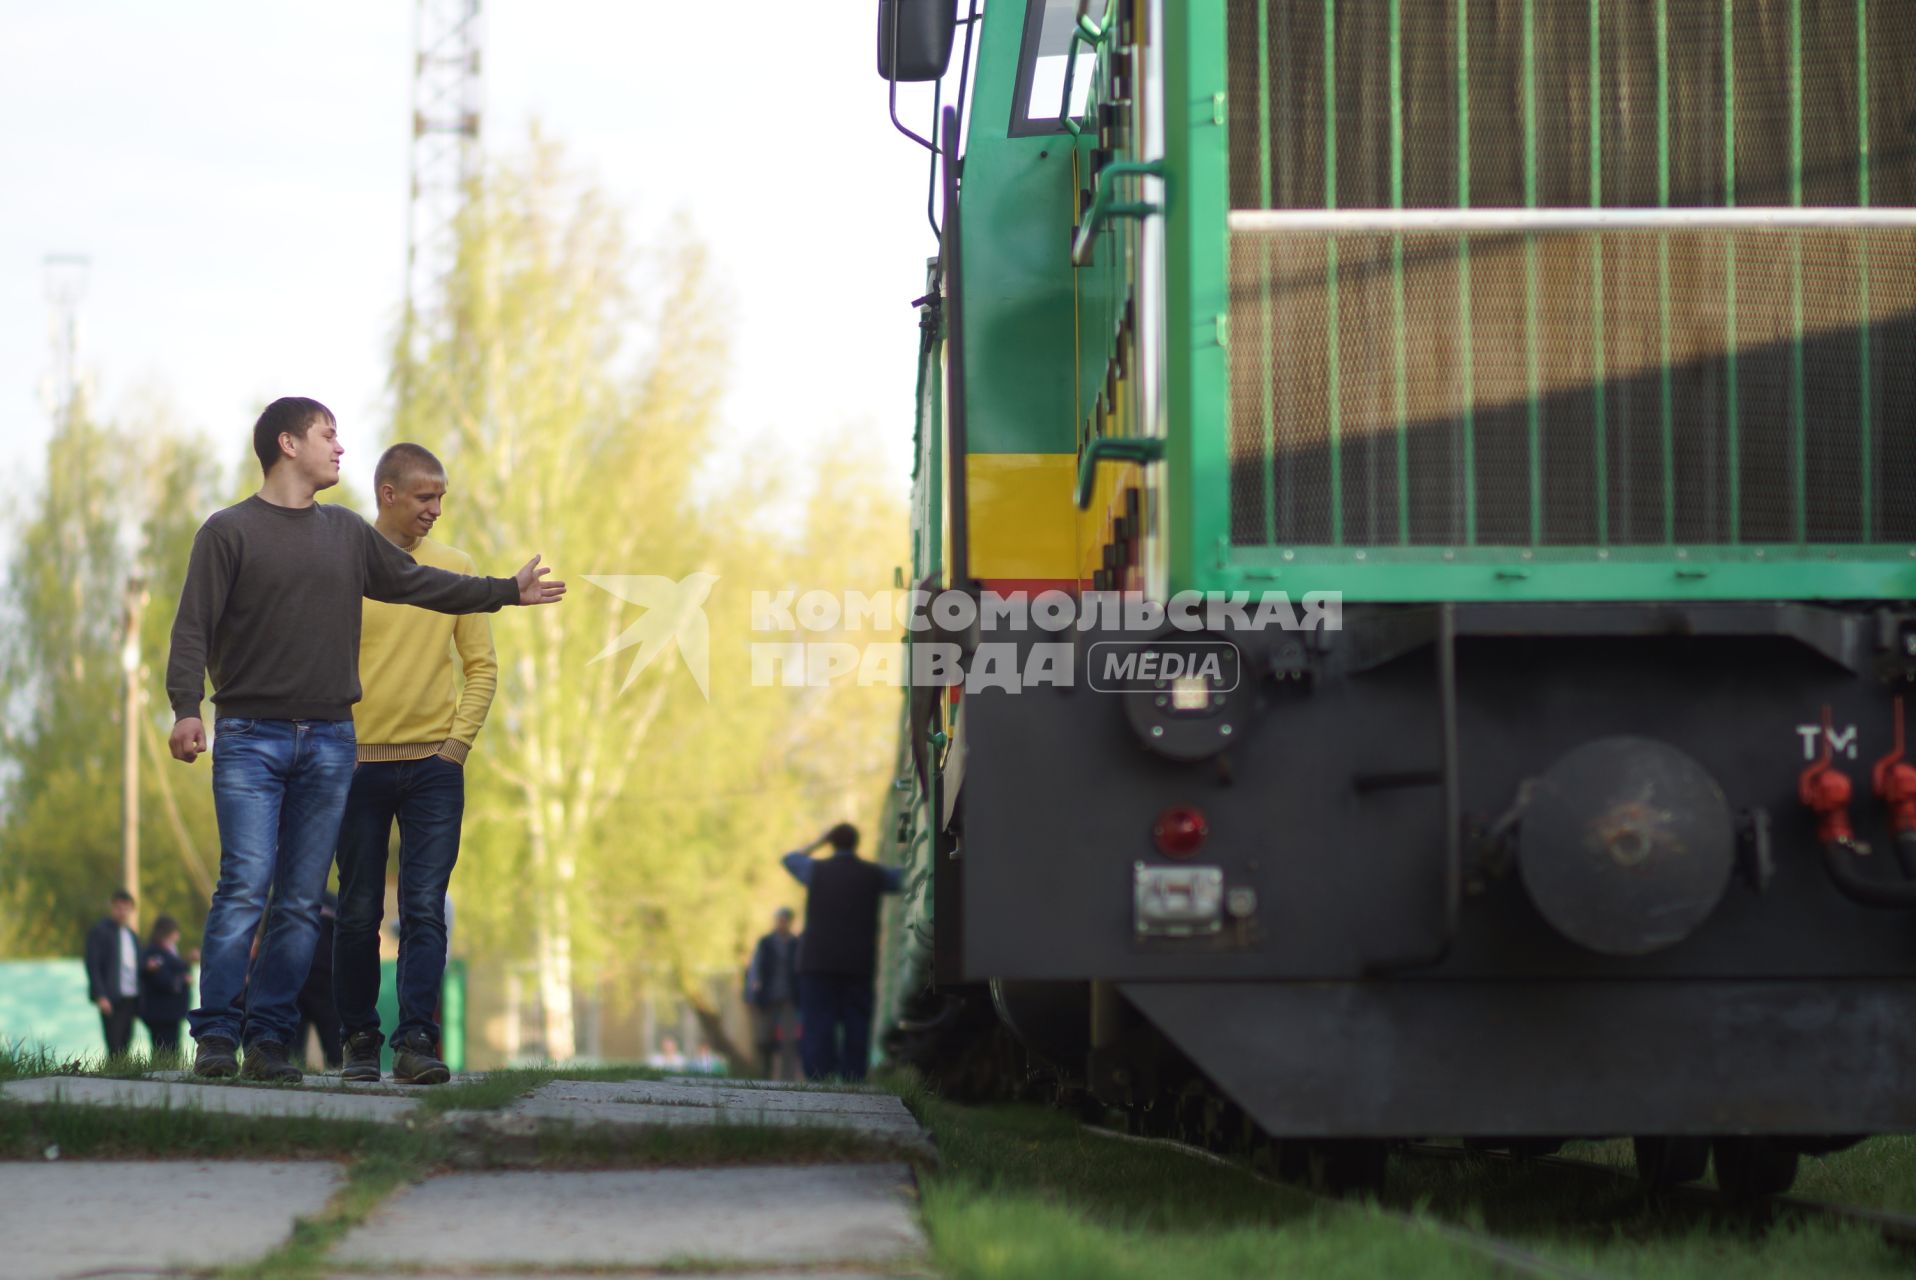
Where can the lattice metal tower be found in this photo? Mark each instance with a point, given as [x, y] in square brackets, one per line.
[63, 389]
[447, 106]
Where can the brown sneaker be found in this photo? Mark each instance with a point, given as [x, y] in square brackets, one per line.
[216, 1058]
[361, 1058]
[415, 1063]
[267, 1061]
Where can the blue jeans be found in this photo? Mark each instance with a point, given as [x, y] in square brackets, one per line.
[829, 1003]
[428, 799]
[279, 787]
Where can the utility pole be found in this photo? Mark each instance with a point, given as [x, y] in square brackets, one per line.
[130, 665]
[447, 105]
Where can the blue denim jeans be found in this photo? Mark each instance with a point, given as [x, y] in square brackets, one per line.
[279, 787]
[428, 799]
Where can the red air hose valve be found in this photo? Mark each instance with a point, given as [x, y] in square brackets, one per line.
[1825, 791]
[1895, 782]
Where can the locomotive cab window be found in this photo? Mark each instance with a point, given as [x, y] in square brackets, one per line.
[1048, 49]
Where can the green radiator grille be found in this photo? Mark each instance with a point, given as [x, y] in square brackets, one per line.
[1621, 388]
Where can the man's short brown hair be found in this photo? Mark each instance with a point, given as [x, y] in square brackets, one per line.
[288, 415]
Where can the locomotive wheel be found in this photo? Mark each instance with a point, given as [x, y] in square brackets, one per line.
[1348, 1166]
[1750, 1167]
[1670, 1162]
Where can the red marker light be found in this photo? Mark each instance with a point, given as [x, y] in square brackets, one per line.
[1180, 831]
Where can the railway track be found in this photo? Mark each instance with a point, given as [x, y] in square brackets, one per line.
[1513, 1258]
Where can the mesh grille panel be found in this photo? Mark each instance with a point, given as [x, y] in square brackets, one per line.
[1627, 388]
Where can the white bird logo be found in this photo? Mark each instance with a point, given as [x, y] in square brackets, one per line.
[674, 613]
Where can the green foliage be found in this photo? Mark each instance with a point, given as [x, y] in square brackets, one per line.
[118, 501]
[572, 385]
[616, 836]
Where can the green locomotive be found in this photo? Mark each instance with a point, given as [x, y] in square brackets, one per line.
[1565, 345]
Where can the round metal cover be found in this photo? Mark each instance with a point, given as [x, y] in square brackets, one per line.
[1627, 845]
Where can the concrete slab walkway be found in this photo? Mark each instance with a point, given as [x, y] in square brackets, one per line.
[644, 1103]
[246, 1100]
[819, 1214]
[323, 1081]
[95, 1218]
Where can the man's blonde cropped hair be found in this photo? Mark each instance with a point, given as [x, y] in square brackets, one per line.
[402, 460]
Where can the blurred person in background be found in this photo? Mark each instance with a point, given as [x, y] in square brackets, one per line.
[271, 608]
[113, 972]
[839, 956]
[428, 681]
[771, 992]
[667, 1057]
[318, 1012]
[166, 979]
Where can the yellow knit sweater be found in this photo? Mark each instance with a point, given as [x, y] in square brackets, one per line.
[410, 705]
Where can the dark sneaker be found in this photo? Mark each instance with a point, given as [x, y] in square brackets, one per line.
[414, 1062]
[362, 1057]
[267, 1060]
[217, 1058]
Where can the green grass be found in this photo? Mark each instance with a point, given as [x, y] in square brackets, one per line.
[1024, 1192]
[1616, 1229]
[1877, 1173]
[21, 1061]
[102, 1133]
[489, 1094]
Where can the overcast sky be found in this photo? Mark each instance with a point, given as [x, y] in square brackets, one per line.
[237, 173]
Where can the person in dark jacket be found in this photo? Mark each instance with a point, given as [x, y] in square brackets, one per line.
[839, 955]
[317, 1008]
[113, 972]
[165, 981]
[771, 991]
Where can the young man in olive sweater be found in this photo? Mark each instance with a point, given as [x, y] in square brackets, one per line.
[270, 608]
[415, 727]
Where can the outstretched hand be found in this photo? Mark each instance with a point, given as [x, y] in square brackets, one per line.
[188, 739]
[532, 590]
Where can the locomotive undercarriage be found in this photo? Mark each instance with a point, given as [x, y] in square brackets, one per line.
[1511, 873]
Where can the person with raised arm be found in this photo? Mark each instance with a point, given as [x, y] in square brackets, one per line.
[838, 956]
[271, 609]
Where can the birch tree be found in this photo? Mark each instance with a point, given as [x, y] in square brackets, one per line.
[621, 825]
[116, 501]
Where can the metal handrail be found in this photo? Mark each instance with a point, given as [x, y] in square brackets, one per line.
[1084, 31]
[1105, 206]
[1525, 221]
[1138, 449]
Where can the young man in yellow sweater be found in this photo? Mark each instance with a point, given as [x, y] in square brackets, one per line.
[416, 724]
